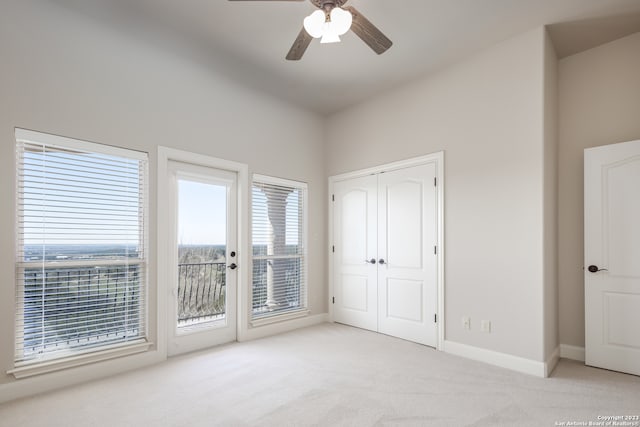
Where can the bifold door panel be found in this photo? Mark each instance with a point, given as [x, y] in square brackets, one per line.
[355, 216]
[407, 237]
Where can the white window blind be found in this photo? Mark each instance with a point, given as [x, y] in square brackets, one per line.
[81, 252]
[279, 246]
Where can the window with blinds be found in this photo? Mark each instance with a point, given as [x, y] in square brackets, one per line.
[279, 246]
[81, 251]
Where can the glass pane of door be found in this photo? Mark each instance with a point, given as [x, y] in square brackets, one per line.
[202, 250]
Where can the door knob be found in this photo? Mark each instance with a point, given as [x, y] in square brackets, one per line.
[595, 269]
[381, 261]
[232, 266]
[373, 261]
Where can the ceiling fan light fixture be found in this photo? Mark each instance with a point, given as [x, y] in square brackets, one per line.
[328, 28]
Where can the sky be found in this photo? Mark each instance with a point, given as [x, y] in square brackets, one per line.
[78, 198]
[202, 213]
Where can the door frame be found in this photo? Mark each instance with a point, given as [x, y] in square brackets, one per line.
[436, 158]
[166, 155]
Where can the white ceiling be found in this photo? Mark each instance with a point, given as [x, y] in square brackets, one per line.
[248, 40]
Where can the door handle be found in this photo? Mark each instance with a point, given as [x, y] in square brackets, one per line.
[381, 261]
[372, 261]
[595, 269]
[232, 266]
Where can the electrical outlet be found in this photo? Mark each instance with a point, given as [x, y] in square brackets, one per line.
[485, 326]
[466, 322]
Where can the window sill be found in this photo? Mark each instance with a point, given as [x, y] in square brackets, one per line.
[276, 318]
[30, 369]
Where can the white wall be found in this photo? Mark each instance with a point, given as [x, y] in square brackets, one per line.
[486, 113]
[64, 74]
[599, 104]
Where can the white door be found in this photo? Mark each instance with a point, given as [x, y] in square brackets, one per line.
[407, 236]
[355, 252]
[384, 261]
[612, 256]
[202, 294]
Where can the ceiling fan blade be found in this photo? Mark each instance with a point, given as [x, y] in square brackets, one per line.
[368, 32]
[300, 45]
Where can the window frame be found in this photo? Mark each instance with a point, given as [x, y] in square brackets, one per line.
[303, 310]
[64, 360]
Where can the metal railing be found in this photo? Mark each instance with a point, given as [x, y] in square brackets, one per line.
[201, 291]
[68, 307]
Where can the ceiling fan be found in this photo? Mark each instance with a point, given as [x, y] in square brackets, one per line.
[330, 22]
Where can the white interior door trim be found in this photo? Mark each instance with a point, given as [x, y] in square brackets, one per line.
[438, 159]
[165, 155]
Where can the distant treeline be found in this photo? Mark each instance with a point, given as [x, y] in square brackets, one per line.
[196, 254]
[78, 252]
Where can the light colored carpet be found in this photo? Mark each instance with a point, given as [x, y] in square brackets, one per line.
[331, 375]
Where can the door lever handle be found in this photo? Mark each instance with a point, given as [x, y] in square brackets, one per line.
[372, 261]
[595, 269]
[232, 266]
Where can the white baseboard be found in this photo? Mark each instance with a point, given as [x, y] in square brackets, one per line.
[551, 362]
[503, 360]
[284, 326]
[572, 352]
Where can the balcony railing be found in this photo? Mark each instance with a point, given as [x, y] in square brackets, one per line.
[286, 292]
[69, 307]
[201, 292]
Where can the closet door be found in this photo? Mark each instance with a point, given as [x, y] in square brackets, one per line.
[407, 235]
[355, 251]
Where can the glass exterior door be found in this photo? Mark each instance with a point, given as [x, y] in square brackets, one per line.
[203, 294]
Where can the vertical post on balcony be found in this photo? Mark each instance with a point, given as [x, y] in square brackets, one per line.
[277, 213]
